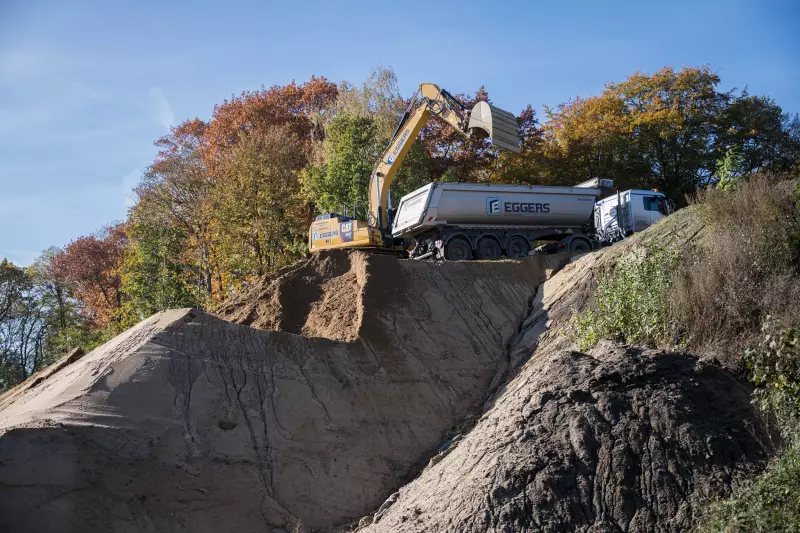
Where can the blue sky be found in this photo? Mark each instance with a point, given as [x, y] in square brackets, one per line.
[86, 87]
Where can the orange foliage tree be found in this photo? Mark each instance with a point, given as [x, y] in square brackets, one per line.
[91, 266]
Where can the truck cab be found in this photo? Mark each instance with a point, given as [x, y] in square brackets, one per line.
[628, 212]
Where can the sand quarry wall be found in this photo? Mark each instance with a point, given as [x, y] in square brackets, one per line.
[189, 422]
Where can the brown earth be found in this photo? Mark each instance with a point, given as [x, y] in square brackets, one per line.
[321, 297]
[188, 422]
[620, 439]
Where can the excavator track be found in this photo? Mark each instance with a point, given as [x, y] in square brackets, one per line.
[400, 254]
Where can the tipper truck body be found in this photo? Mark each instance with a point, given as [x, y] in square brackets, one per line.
[459, 221]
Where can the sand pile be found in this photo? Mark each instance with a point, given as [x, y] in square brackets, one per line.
[188, 422]
[321, 297]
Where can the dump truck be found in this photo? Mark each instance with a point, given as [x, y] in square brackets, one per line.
[461, 221]
[337, 230]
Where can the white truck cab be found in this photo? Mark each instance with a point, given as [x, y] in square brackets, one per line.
[627, 212]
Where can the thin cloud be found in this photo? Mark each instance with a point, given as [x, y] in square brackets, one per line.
[25, 63]
[129, 182]
[161, 109]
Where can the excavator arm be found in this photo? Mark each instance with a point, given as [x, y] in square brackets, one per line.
[483, 120]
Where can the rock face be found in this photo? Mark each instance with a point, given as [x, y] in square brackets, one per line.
[620, 439]
[188, 422]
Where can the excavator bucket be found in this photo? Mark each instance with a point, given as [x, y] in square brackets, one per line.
[498, 124]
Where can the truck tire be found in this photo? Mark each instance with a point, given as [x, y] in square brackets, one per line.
[458, 249]
[488, 249]
[580, 246]
[517, 248]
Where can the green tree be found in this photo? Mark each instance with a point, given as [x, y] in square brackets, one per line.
[350, 154]
[730, 168]
[21, 325]
[765, 138]
[157, 274]
[62, 313]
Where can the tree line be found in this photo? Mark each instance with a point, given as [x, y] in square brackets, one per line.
[229, 199]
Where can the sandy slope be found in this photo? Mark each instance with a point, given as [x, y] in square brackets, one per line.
[188, 422]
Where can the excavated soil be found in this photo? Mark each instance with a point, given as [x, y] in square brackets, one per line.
[188, 422]
[620, 439]
[321, 297]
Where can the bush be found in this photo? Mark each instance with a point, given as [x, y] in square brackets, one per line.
[735, 292]
[631, 302]
[775, 369]
[746, 270]
[749, 283]
[770, 503]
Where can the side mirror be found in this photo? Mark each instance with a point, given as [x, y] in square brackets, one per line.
[501, 126]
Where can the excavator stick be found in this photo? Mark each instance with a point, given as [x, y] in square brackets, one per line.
[501, 126]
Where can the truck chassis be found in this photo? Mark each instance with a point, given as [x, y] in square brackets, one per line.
[460, 243]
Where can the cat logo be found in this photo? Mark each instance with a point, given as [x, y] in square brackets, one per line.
[346, 231]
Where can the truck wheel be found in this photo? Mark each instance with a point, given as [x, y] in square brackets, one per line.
[458, 250]
[488, 249]
[517, 248]
[580, 245]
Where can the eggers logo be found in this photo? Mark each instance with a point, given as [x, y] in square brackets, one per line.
[493, 206]
[403, 138]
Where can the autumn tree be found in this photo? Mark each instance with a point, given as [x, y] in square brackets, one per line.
[530, 166]
[451, 156]
[665, 130]
[91, 266]
[377, 99]
[175, 192]
[261, 216]
[298, 108]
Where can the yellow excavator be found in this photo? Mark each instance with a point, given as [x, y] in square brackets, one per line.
[332, 230]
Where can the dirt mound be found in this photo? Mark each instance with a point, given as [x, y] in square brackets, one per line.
[622, 439]
[616, 440]
[320, 297]
[189, 422]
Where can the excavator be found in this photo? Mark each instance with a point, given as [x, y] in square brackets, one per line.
[332, 230]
